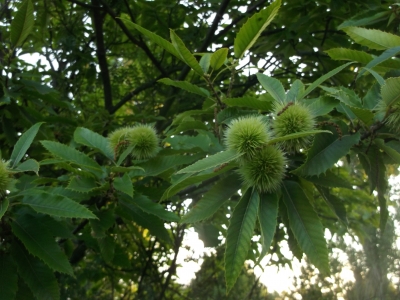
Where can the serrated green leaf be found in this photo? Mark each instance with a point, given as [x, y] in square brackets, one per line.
[240, 232]
[158, 165]
[205, 62]
[218, 58]
[272, 86]
[296, 135]
[364, 115]
[22, 24]
[267, 217]
[211, 161]
[107, 248]
[390, 91]
[105, 220]
[154, 224]
[23, 144]
[296, 89]
[38, 241]
[57, 205]
[378, 77]
[185, 85]
[185, 54]
[349, 54]
[254, 26]
[325, 152]
[94, 140]
[249, 102]
[82, 184]
[28, 165]
[154, 38]
[330, 179]
[364, 18]
[322, 106]
[320, 80]
[306, 225]
[125, 169]
[8, 277]
[124, 155]
[3, 207]
[188, 181]
[36, 274]
[213, 199]
[153, 208]
[373, 38]
[388, 54]
[72, 155]
[124, 184]
[334, 203]
[393, 154]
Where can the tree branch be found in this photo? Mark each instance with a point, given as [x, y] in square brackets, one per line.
[101, 56]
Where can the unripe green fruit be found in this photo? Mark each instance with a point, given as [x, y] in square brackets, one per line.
[5, 178]
[393, 119]
[265, 170]
[118, 139]
[145, 141]
[247, 135]
[291, 119]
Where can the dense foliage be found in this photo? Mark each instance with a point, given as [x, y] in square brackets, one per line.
[277, 119]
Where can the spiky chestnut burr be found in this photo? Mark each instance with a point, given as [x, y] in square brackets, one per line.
[265, 170]
[247, 135]
[294, 118]
[145, 141]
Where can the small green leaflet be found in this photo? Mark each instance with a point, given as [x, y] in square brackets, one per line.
[155, 38]
[57, 205]
[211, 161]
[28, 165]
[306, 225]
[296, 89]
[23, 144]
[205, 62]
[38, 241]
[185, 85]
[296, 135]
[213, 199]
[185, 54]
[124, 184]
[240, 232]
[82, 184]
[218, 58]
[252, 29]
[22, 24]
[94, 140]
[272, 86]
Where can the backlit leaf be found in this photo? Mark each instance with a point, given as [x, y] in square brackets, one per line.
[218, 58]
[22, 24]
[213, 199]
[373, 38]
[240, 232]
[267, 217]
[306, 226]
[272, 86]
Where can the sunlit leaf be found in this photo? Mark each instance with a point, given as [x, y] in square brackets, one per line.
[252, 29]
[22, 24]
[218, 58]
[373, 38]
